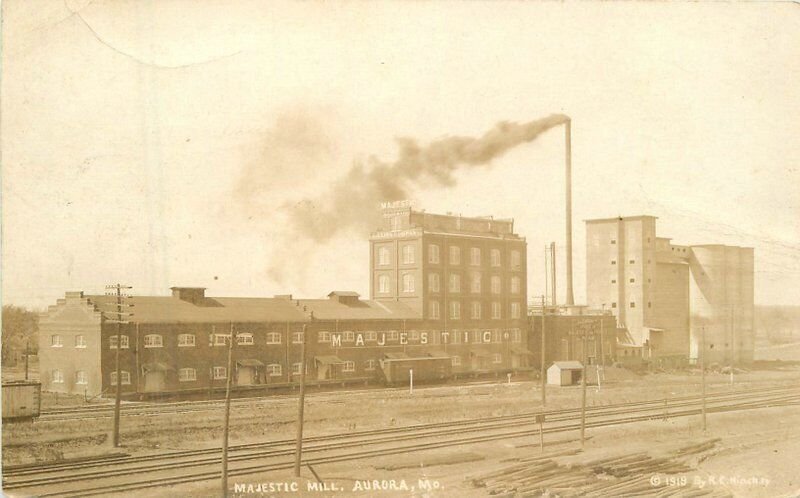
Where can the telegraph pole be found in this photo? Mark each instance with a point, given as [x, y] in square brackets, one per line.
[116, 290]
[583, 389]
[226, 429]
[602, 344]
[543, 371]
[703, 374]
[27, 354]
[300, 406]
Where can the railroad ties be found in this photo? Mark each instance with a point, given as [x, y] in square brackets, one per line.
[622, 475]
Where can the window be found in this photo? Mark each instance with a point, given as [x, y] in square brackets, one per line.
[475, 310]
[515, 285]
[455, 361]
[475, 256]
[515, 310]
[396, 222]
[298, 337]
[495, 257]
[633, 305]
[186, 340]
[496, 284]
[433, 282]
[455, 283]
[274, 370]
[613, 242]
[369, 365]
[57, 377]
[124, 375]
[408, 282]
[649, 304]
[273, 338]
[496, 310]
[220, 373]
[245, 339]
[80, 341]
[515, 259]
[497, 335]
[220, 339]
[383, 256]
[455, 310]
[383, 284]
[455, 337]
[153, 341]
[392, 335]
[187, 374]
[433, 310]
[433, 253]
[370, 335]
[348, 336]
[56, 341]
[349, 366]
[323, 336]
[112, 341]
[613, 261]
[297, 368]
[455, 255]
[476, 336]
[408, 254]
[516, 335]
[632, 261]
[81, 378]
[497, 358]
[475, 283]
[613, 280]
[613, 305]
[632, 280]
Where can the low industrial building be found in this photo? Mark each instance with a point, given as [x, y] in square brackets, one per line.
[564, 373]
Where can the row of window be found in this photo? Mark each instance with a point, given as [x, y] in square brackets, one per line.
[408, 256]
[633, 304]
[630, 262]
[454, 284]
[515, 310]
[57, 341]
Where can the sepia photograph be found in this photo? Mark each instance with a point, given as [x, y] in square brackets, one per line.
[400, 249]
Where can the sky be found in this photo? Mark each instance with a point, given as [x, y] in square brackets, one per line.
[168, 143]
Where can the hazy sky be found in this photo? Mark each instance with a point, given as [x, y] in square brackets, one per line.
[160, 143]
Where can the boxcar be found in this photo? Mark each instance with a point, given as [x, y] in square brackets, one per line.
[21, 400]
[426, 369]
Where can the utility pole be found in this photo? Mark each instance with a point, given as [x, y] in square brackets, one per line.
[300, 406]
[226, 429]
[119, 315]
[583, 388]
[602, 343]
[543, 371]
[703, 374]
[27, 353]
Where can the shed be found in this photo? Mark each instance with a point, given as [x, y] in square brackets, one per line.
[564, 373]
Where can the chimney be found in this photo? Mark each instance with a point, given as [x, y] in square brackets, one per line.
[192, 295]
[568, 164]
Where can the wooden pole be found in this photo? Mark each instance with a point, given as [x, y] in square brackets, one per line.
[227, 423]
[300, 406]
[583, 389]
[543, 371]
[541, 432]
[410, 381]
[118, 398]
[27, 353]
[703, 374]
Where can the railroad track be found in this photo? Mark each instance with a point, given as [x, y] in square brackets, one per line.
[26, 469]
[453, 436]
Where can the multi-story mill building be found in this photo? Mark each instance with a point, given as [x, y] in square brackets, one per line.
[447, 288]
[666, 295]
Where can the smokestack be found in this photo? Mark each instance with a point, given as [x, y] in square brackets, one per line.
[568, 154]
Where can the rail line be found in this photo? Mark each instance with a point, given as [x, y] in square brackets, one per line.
[626, 407]
[734, 402]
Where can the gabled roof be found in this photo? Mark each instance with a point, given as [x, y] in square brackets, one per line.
[567, 365]
[331, 309]
[169, 309]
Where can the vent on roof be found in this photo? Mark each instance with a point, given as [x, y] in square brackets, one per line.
[194, 295]
[288, 297]
[344, 297]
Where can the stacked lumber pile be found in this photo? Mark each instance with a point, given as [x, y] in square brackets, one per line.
[622, 475]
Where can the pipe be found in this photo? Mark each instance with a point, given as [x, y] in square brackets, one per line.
[568, 165]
